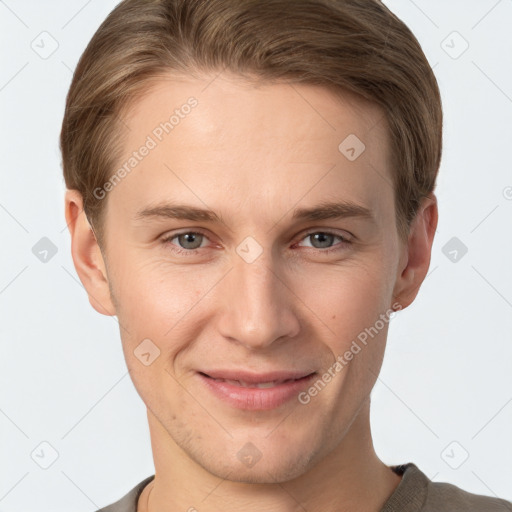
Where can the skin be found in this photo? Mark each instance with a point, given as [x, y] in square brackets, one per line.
[254, 153]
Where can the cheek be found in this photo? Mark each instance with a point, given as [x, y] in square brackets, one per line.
[154, 293]
[348, 298]
[355, 306]
[154, 302]
[170, 306]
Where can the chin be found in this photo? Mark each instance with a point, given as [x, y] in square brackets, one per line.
[268, 469]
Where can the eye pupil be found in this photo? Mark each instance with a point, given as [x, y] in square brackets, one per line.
[185, 241]
[322, 238]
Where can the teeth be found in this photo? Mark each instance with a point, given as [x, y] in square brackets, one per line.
[241, 383]
[267, 384]
[235, 383]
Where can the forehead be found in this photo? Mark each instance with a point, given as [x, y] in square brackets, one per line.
[233, 103]
[228, 142]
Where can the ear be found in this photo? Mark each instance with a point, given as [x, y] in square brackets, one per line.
[415, 254]
[87, 256]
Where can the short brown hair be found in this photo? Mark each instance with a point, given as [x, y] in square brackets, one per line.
[345, 45]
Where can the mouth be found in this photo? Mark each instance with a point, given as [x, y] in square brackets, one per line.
[255, 391]
[260, 384]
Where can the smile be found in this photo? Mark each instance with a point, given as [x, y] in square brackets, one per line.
[255, 392]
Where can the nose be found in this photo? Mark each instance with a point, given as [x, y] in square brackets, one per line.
[258, 304]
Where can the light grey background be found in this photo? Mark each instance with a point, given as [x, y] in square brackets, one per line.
[445, 391]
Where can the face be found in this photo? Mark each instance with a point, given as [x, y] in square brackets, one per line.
[259, 289]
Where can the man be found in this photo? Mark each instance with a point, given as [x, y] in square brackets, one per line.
[250, 191]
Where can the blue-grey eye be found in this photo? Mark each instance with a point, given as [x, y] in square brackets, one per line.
[189, 240]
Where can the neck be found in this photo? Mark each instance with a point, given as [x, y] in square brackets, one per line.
[351, 477]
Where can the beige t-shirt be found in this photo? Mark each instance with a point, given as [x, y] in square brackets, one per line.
[414, 493]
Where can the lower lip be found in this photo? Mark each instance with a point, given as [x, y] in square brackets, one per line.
[256, 399]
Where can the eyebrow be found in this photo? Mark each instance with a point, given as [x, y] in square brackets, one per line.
[322, 211]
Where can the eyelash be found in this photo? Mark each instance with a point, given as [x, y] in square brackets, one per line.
[191, 252]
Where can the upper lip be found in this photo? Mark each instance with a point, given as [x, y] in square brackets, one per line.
[256, 378]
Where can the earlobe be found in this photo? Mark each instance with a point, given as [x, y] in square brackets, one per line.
[415, 255]
[87, 257]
